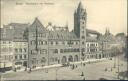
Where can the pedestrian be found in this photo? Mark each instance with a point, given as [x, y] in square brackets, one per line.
[83, 64]
[46, 70]
[15, 69]
[30, 69]
[25, 69]
[73, 66]
[105, 69]
[76, 66]
[82, 74]
[84, 78]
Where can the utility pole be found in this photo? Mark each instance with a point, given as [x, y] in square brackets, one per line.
[127, 54]
[56, 72]
[48, 46]
[118, 67]
[102, 48]
[28, 47]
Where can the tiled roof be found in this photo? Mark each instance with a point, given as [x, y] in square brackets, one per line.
[92, 31]
[91, 39]
[14, 31]
[6, 34]
[62, 35]
[37, 24]
[108, 38]
[15, 25]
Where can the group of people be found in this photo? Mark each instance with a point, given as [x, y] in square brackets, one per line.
[73, 66]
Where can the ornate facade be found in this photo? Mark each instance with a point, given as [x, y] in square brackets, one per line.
[57, 45]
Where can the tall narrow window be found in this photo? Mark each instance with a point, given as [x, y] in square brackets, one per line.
[25, 50]
[83, 37]
[20, 49]
[16, 50]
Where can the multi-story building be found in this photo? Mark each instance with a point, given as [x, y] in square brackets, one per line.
[20, 53]
[107, 43]
[92, 49]
[6, 49]
[35, 45]
[13, 45]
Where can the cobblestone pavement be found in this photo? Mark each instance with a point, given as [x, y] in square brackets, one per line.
[92, 71]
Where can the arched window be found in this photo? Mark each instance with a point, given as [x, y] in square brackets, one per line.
[83, 37]
[61, 50]
[16, 50]
[43, 60]
[20, 49]
[51, 42]
[82, 42]
[83, 50]
[56, 51]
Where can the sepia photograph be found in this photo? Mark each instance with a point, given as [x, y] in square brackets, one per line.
[63, 40]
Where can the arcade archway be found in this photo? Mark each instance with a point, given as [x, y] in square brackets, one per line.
[75, 58]
[70, 59]
[64, 59]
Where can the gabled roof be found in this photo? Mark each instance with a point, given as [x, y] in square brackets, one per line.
[80, 6]
[91, 39]
[37, 24]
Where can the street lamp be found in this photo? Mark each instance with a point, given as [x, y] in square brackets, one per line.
[56, 72]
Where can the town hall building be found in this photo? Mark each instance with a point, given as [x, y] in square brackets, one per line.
[58, 45]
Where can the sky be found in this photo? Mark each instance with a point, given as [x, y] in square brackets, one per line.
[101, 14]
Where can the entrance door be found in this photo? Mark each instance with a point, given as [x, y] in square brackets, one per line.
[76, 58]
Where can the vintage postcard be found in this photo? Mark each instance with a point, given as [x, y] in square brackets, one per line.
[63, 40]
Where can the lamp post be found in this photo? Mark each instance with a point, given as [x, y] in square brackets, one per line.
[114, 58]
[28, 66]
[56, 72]
[4, 66]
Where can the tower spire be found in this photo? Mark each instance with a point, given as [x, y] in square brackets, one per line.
[106, 31]
[80, 6]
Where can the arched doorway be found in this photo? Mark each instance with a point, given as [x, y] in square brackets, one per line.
[96, 56]
[43, 61]
[64, 59]
[103, 55]
[75, 58]
[25, 63]
[70, 59]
